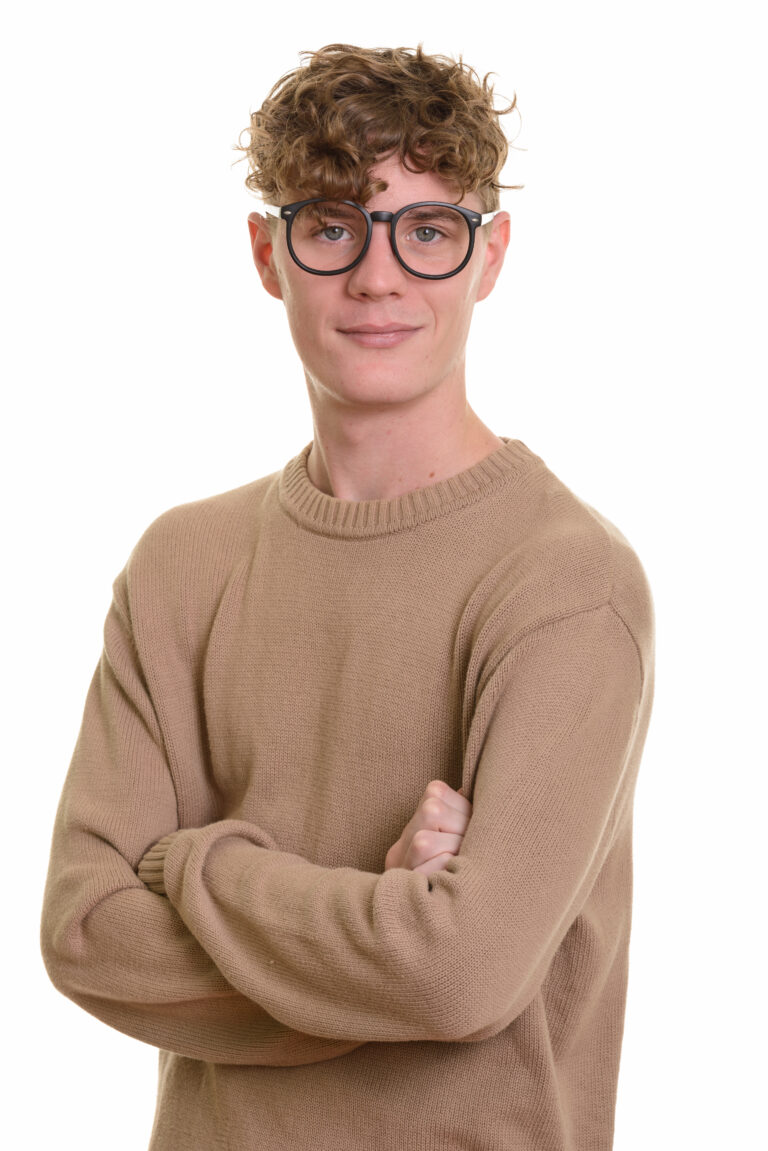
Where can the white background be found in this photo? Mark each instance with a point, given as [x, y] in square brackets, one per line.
[144, 366]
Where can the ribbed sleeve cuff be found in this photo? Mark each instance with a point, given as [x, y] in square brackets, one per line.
[151, 869]
[199, 840]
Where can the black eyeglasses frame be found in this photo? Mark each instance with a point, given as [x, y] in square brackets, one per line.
[474, 221]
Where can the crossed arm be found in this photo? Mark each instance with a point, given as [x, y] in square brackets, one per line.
[254, 955]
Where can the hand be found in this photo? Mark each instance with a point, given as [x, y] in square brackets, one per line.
[435, 832]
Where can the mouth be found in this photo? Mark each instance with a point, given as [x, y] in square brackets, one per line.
[378, 335]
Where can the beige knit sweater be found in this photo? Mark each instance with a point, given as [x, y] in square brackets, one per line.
[283, 673]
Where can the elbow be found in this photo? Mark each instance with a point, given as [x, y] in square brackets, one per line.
[464, 989]
[485, 1002]
[455, 1010]
[60, 957]
[475, 1022]
[51, 951]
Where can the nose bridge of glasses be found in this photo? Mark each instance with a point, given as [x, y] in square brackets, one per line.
[383, 218]
[388, 242]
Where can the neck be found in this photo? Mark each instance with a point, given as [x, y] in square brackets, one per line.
[383, 452]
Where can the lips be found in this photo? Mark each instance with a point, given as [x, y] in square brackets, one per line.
[378, 335]
[377, 328]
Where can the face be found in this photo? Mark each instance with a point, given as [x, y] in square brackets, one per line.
[378, 334]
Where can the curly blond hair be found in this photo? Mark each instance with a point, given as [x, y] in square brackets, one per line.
[324, 125]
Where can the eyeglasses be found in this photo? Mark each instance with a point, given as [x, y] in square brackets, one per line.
[430, 239]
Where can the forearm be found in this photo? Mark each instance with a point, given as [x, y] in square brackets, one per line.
[322, 949]
[109, 944]
[457, 955]
[130, 961]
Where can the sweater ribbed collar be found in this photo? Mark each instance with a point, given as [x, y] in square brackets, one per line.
[319, 512]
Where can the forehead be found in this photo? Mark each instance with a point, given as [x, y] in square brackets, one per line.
[405, 187]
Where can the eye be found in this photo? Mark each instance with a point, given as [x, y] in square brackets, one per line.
[426, 233]
[333, 232]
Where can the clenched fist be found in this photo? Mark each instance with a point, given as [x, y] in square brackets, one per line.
[434, 833]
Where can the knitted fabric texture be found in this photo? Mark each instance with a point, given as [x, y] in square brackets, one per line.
[283, 673]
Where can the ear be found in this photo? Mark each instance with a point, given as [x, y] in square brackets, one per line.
[495, 250]
[263, 255]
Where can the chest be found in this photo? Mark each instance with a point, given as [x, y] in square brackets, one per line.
[330, 702]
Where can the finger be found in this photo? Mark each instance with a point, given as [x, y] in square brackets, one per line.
[425, 845]
[457, 802]
[435, 815]
[435, 864]
[439, 789]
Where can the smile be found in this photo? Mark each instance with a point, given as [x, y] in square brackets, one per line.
[371, 336]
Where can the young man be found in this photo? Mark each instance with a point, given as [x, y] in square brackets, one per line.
[347, 832]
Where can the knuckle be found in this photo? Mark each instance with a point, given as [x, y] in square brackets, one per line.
[432, 807]
[423, 841]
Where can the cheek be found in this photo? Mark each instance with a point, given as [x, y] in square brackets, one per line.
[454, 310]
[306, 320]
[293, 292]
[278, 263]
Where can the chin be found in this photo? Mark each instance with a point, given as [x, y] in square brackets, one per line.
[375, 383]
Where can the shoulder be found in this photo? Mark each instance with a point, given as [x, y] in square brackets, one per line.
[177, 570]
[203, 530]
[630, 596]
[560, 557]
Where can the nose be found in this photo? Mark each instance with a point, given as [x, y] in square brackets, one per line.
[379, 273]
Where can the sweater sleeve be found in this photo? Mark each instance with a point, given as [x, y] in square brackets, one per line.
[555, 739]
[109, 943]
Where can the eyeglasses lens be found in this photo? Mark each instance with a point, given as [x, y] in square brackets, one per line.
[329, 237]
[432, 240]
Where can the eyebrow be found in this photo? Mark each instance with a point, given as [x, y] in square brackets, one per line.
[433, 214]
[331, 209]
